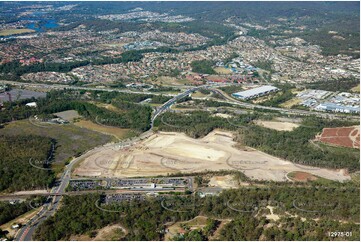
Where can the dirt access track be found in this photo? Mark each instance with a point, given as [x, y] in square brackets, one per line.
[167, 152]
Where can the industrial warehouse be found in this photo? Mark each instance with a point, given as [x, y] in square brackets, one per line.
[332, 107]
[255, 92]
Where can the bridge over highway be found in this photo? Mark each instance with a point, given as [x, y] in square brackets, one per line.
[27, 231]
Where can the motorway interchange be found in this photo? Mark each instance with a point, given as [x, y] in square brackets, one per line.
[49, 208]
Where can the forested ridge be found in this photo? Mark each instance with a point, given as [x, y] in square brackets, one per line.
[296, 146]
[145, 219]
[291, 145]
[136, 117]
[195, 124]
[132, 114]
[340, 85]
[16, 172]
[16, 111]
[203, 66]
[10, 211]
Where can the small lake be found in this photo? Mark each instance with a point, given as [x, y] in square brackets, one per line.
[43, 25]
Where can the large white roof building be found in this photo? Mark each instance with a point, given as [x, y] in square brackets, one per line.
[255, 92]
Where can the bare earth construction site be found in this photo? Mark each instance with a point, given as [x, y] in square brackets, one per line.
[167, 152]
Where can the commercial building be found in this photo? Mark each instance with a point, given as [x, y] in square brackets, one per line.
[255, 92]
[332, 107]
[314, 94]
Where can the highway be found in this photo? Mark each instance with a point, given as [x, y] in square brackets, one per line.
[176, 97]
[62, 86]
[48, 209]
[283, 110]
[170, 102]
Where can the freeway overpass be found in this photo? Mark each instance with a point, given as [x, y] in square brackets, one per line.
[170, 102]
[26, 232]
[175, 97]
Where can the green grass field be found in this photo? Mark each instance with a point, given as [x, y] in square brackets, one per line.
[70, 139]
[7, 32]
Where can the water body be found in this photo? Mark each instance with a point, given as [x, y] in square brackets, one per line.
[43, 25]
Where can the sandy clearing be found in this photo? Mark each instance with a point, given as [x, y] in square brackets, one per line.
[108, 106]
[197, 222]
[301, 176]
[356, 88]
[30, 192]
[280, 126]
[193, 151]
[272, 216]
[68, 115]
[108, 232]
[222, 115]
[227, 181]
[104, 234]
[167, 152]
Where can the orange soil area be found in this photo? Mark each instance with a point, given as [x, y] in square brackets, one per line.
[303, 176]
[342, 136]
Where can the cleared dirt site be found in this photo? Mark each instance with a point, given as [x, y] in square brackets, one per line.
[166, 152]
[280, 126]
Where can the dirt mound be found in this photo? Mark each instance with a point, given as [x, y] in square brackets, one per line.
[302, 176]
[166, 153]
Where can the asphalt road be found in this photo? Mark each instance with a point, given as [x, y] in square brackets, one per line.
[27, 231]
[165, 106]
[61, 86]
[284, 110]
[49, 208]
